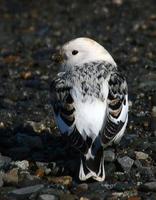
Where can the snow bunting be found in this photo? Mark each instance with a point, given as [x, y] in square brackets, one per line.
[90, 102]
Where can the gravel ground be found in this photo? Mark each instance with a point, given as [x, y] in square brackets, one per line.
[35, 162]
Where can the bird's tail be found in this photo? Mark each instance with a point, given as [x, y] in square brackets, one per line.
[93, 167]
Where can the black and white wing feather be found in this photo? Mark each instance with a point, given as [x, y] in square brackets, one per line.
[117, 109]
[64, 110]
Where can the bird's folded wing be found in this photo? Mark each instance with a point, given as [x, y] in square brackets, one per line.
[117, 109]
[63, 107]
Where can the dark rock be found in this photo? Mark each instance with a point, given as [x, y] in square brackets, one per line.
[81, 188]
[26, 179]
[24, 193]
[110, 169]
[126, 163]
[123, 186]
[4, 161]
[97, 190]
[149, 186]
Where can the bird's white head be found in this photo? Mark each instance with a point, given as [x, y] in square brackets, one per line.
[82, 50]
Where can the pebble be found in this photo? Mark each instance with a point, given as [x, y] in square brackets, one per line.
[48, 197]
[141, 155]
[84, 198]
[38, 127]
[126, 163]
[26, 75]
[4, 160]
[63, 180]
[149, 186]
[117, 2]
[11, 177]
[81, 188]
[27, 179]
[23, 193]
[109, 155]
[24, 164]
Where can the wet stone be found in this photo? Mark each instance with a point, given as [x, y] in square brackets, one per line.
[126, 163]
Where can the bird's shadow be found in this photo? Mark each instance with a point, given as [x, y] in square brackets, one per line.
[25, 144]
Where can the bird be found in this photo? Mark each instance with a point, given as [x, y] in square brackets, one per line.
[89, 101]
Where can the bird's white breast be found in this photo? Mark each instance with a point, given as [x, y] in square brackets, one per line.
[89, 115]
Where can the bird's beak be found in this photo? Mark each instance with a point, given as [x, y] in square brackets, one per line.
[57, 57]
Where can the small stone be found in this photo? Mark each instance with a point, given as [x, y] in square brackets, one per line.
[26, 179]
[150, 186]
[38, 127]
[4, 160]
[40, 172]
[109, 155]
[26, 75]
[63, 180]
[134, 59]
[84, 198]
[117, 2]
[141, 155]
[24, 164]
[11, 177]
[48, 197]
[126, 163]
[81, 188]
[23, 193]
[2, 125]
[43, 168]
[152, 17]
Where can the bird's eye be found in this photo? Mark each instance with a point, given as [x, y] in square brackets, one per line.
[74, 52]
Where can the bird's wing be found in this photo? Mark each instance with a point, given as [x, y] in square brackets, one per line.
[63, 107]
[117, 109]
